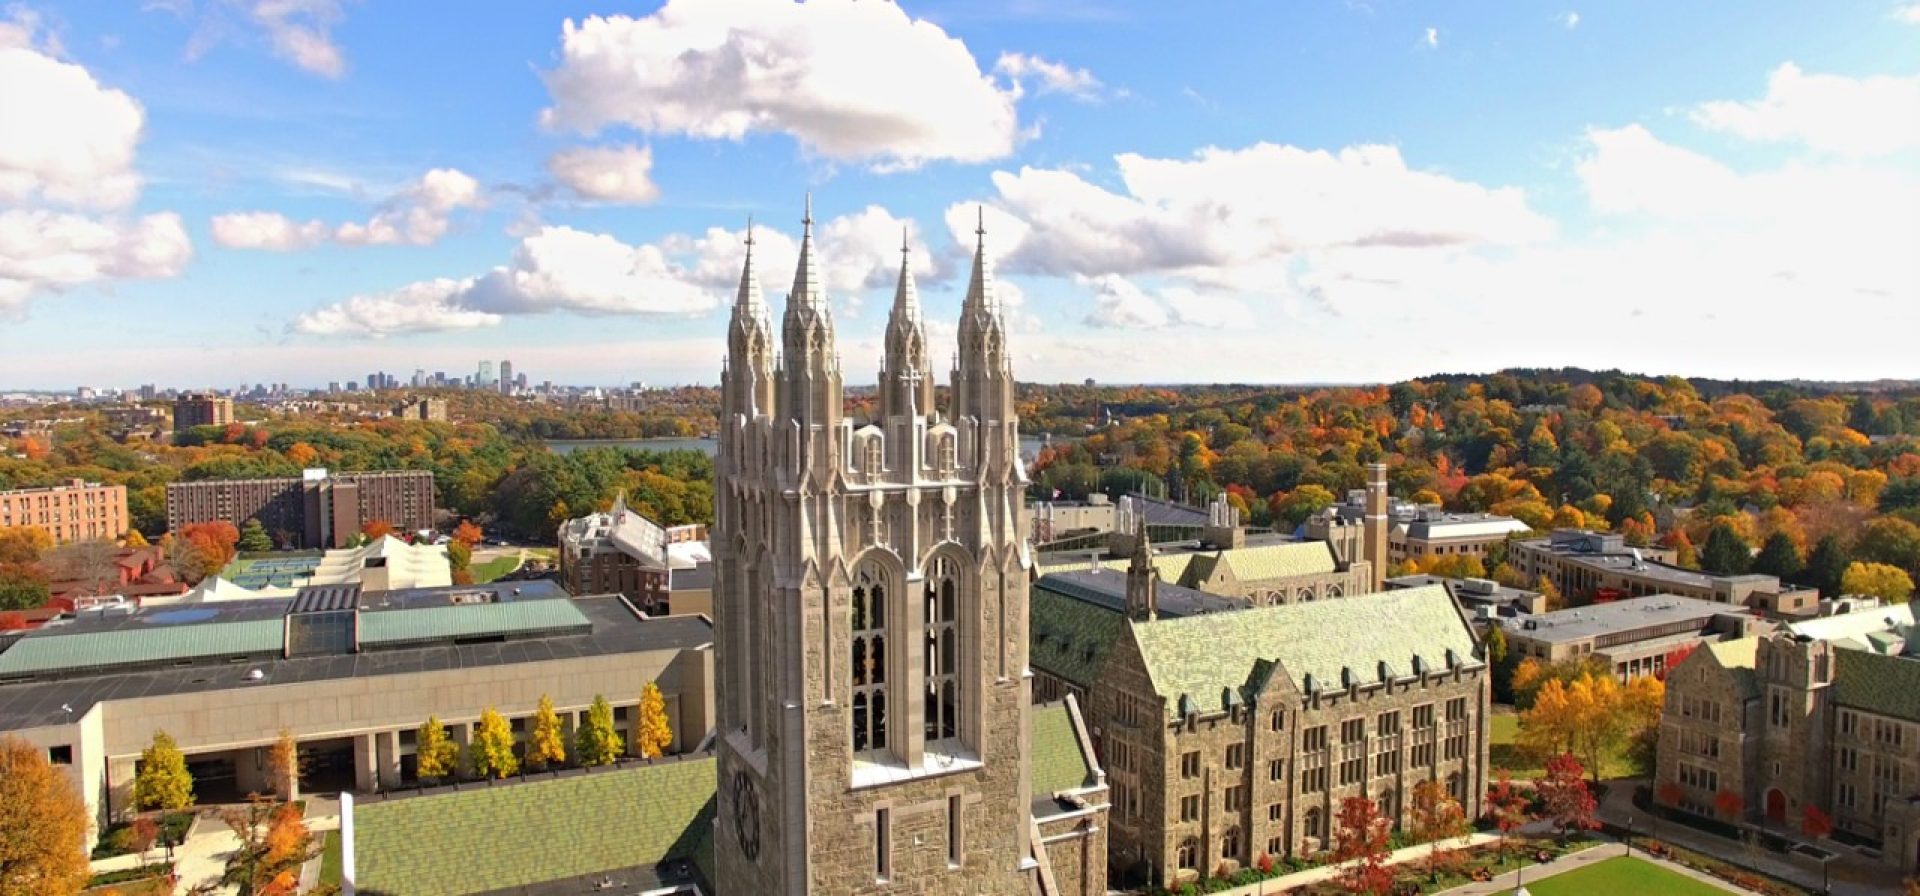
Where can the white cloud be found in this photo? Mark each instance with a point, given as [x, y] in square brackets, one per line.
[1051, 77]
[1119, 303]
[560, 269]
[64, 137]
[417, 215]
[1867, 116]
[42, 250]
[266, 230]
[66, 155]
[609, 174]
[1431, 38]
[1571, 20]
[1224, 208]
[1909, 14]
[416, 308]
[302, 33]
[849, 80]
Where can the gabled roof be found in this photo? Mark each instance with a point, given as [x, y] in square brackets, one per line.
[1069, 637]
[1738, 657]
[1278, 561]
[1208, 659]
[1872, 682]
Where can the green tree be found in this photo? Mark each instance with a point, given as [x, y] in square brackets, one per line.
[491, 753]
[1889, 583]
[652, 733]
[1725, 553]
[1304, 502]
[434, 753]
[546, 744]
[254, 538]
[1826, 565]
[596, 743]
[22, 587]
[1890, 540]
[1779, 557]
[162, 781]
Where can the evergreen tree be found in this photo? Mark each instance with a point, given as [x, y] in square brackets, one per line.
[1725, 553]
[254, 538]
[1779, 557]
[1826, 565]
[546, 744]
[596, 743]
[435, 755]
[491, 753]
[652, 734]
[163, 781]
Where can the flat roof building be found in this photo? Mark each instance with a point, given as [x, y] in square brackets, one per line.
[622, 552]
[76, 510]
[201, 409]
[1420, 530]
[351, 675]
[1482, 599]
[317, 509]
[1589, 566]
[1634, 637]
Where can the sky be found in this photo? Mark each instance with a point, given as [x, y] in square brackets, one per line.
[210, 192]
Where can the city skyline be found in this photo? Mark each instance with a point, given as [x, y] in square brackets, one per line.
[290, 193]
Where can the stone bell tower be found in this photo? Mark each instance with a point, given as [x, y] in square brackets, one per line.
[870, 604]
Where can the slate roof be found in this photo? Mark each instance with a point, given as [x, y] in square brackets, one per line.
[1883, 685]
[1738, 657]
[1058, 762]
[1205, 658]
[523, 834]
[1069, 637]
[1275, 561]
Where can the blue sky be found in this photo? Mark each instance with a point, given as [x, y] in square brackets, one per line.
[217, 191]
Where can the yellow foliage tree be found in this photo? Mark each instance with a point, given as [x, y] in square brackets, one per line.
[1889, 583]
[42, 822]
[434, 753]
[652, 734]
[1593, 717]
[491, 753]
[163, 781]
[134, 539]
[546, 744]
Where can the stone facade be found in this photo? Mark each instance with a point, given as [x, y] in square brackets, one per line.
[1798, 721]
[870, 595]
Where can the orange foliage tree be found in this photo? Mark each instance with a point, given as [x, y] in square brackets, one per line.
[216, 542]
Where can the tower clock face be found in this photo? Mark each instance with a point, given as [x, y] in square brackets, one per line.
[746, 815]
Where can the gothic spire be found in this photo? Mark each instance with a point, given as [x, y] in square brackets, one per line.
[749, 299]
[906, 298]
[980, 295]
[806, 282]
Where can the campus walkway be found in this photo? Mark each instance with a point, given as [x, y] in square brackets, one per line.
[1852, 874]
[1574, 861]
[1282, 883]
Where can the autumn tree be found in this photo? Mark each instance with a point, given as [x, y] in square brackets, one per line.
[23, 544]
[1593, 717]
[1564, 797]
[652, 733]
[43, 825]
[215, 543]
[1669, 793]
[467, 533]
[1889, 583]
[435, 754]
[141, 835]
[254, 538]
[1363, 838]
[162, 781]
[491, 753]
[1509, 807]
[597, 743]
[92, 564]
[1814, 823]
[23, 586]
[283, 766]
[134, 540]
[374, 530]
[546, 744]
[274, 843]
[1729, 804]
[1437, 817]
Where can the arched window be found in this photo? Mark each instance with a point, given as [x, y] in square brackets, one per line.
[1230, 844]
[1190, 853]
[876, 457]
[1314, 828]
[869, 659]
[1385, 802]
[947, 461]
[943, 651]
[1456, 787]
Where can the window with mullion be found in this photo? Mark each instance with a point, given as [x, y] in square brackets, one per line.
[869, 660]
[942, 597]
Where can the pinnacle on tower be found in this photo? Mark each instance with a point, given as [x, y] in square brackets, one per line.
[806, 285]
[749, 298]
[980, 288]
[906, 298]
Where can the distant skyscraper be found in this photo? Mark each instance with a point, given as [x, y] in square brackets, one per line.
[149, 392]
[506, 377]
[419, 377]
[485, 376]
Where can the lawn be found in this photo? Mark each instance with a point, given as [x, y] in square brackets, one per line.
[330, 860]
[1503, 752]
[495, 568]
[1619, 876]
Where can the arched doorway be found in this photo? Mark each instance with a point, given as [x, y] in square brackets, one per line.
[1776, 806]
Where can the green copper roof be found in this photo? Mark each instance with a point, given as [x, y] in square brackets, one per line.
[493, 838]
[1058, 762]
[1069, 638]
[1278, 561]
[140, 645]
[1876, 683]
[1171, 567]
[1207, 658]
[469, 620]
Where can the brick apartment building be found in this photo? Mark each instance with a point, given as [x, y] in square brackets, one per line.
[317, 509]
[77, 511]
[201, 409]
